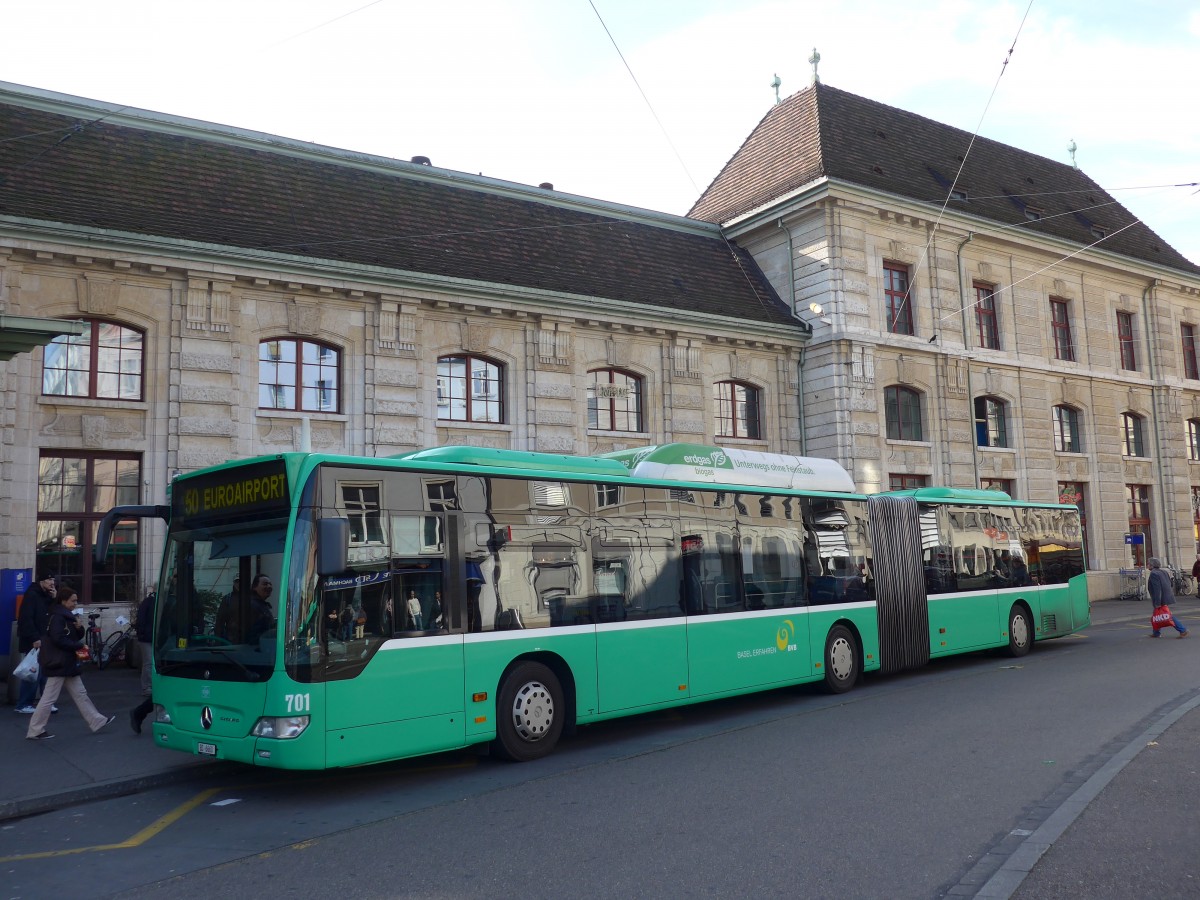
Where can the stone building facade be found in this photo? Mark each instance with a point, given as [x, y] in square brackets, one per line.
[986, 319]
[249, 295]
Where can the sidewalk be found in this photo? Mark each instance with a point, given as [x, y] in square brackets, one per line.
[78, 766]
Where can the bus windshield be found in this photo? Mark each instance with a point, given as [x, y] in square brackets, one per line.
[217, 612]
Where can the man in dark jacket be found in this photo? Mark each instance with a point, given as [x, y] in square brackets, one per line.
[31, 628]
[145, 633]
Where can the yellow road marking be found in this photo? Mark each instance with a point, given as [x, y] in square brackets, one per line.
[137, 840]
[166, 821]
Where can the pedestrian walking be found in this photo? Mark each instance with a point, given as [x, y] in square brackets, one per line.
[58, 657]
[145, 627]
[31, 625]
[1161, 594]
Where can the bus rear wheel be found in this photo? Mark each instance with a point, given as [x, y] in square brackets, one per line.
[841, 660]
[1020, 631]
[529, 713]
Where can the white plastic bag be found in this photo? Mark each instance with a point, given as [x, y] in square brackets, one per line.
[27, 668]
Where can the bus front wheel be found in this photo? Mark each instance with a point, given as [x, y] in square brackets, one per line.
[529, 713]
[841, 660]
[1020, 631]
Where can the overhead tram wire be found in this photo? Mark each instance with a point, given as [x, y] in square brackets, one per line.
[1026, 224]
[1046, 268]
[966, 155]
[322, 25]
[77, 128]
[969, 306]
[732, 251]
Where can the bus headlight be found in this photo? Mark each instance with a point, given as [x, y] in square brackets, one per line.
[282, 727]
[161, 716]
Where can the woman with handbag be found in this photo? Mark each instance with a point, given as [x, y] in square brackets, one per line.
[60, 660]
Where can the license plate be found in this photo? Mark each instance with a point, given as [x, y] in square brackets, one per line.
[206, 749]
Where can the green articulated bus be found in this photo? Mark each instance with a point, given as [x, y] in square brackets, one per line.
[318, 610]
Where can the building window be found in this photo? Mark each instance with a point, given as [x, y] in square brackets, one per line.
[1189, 352]
[103, 363]
[899, 303]
[737, 410]
[1074, 492]
[897, 482]
[298, 375]
[991, 429]
[985, 316]
[1132, 439]
[470, 389]
[997, 484]
[1066, 430]
[74, 491]
[1060, 321]
[1139, 521]
[1125, 341]
[614, 401]
[902, 411]
[1193, 439]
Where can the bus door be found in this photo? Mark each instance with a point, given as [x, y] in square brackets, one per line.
[394, 665]
[967, 562]
[742, 573]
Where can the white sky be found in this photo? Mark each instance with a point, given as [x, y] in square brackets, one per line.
[533, 90]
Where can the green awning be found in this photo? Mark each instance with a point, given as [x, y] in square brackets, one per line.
[20, 334]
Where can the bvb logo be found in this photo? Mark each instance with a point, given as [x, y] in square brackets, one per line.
[191, 502]
[785, 635]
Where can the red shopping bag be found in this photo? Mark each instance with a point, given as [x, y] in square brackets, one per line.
[1161, 616]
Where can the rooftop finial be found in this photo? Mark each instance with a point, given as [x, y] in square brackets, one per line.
[775, 83]
[1071, 149]
[814, 59]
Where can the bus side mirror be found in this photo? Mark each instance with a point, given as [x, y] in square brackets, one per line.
[333, 546]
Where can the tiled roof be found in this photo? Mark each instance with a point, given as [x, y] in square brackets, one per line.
[60, 166]
[824, 132]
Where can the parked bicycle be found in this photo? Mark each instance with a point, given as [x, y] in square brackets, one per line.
[94, 638]
[111, 649]
[1181, 581]
[116, 645]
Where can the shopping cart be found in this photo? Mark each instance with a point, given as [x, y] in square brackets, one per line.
[1133, 583]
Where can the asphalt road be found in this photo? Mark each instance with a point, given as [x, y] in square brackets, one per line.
[913, 786]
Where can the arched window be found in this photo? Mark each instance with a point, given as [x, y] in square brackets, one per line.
[902, 410]
[1193, 439]
[1133, 442]
[103, 363]
[299, 375]
[614, 400]
[1066, 430]
[470, 389]
[991, 417]
[737, 407]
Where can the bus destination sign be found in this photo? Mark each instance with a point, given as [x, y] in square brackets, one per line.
[258, 490]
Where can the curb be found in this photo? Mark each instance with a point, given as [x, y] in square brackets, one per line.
[106, 790]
